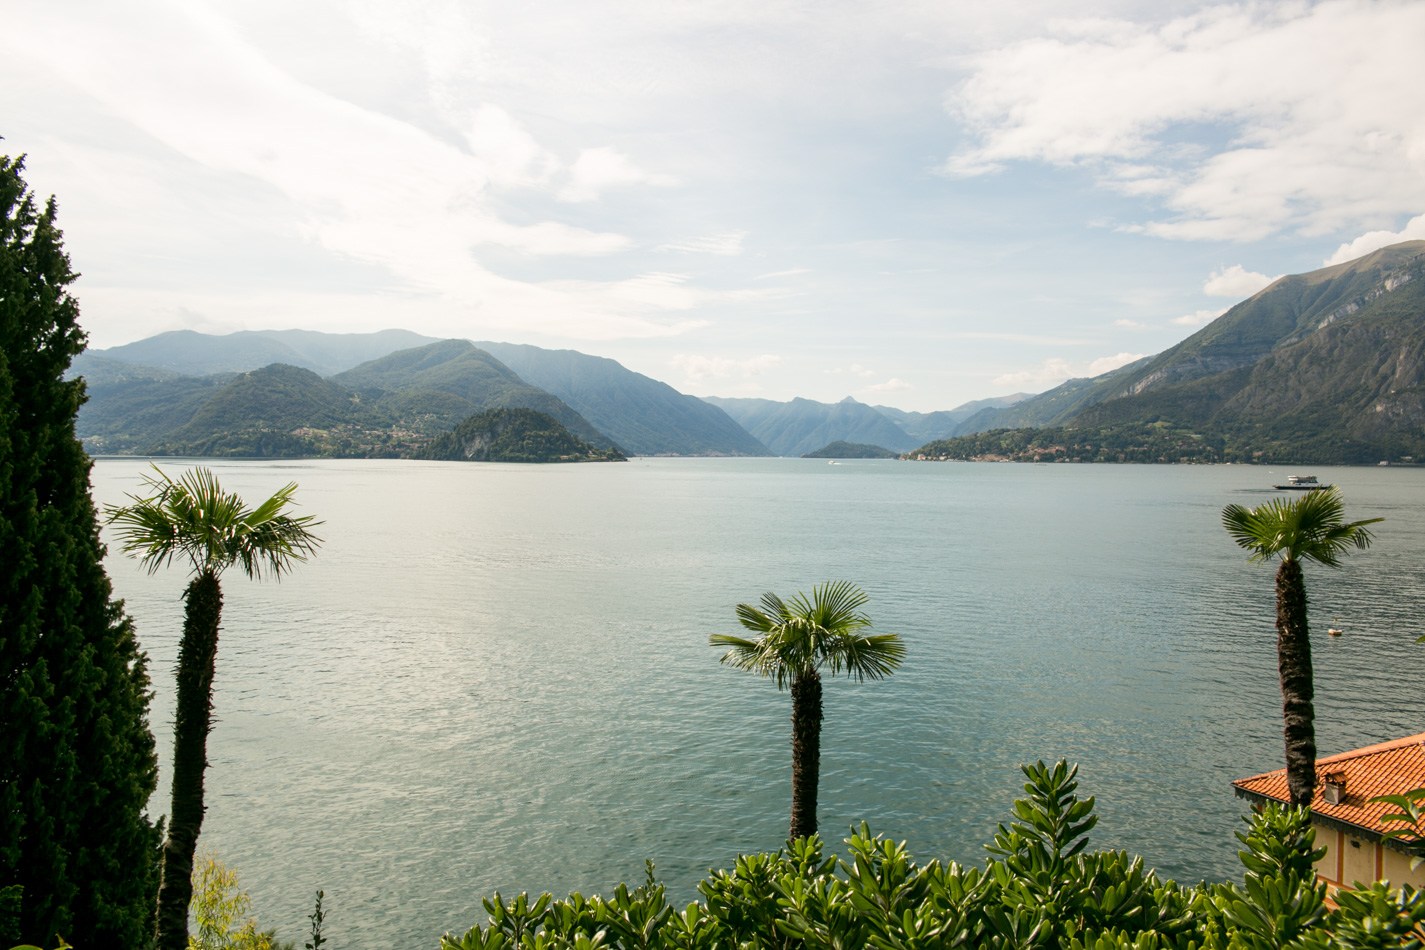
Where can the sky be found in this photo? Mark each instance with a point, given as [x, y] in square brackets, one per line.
[915, 204]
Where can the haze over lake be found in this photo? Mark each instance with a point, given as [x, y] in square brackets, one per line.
[498, 676]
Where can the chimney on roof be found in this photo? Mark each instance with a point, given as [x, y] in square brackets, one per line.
[1333, 788]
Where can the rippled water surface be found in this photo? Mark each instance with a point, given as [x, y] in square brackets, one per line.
[498, 676]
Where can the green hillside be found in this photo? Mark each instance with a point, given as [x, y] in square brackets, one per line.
[643, 415]
[131, 414]
[1338, 377]
[514, 435]
[1148, 443]
[1352, 391]
[850, 450]
[1284, 313]
[384, 408]
[276, 411]
[458, 368]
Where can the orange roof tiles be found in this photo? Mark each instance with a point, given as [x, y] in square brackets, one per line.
[1390, 768]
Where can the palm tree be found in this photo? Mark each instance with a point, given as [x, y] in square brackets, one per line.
[195, 518]
[798, 641]
[1311, 528]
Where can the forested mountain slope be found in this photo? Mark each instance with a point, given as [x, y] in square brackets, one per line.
[289, 411]
[1322, 367]
[1289, 310]
[514, 435]
[423, 378]
[643, 415]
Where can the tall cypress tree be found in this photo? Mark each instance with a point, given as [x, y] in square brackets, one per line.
[77, 759]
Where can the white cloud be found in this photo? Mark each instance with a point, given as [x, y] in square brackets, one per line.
[1236, 281]
[783, 273]
[889, 386]
[855, 369]
[1243, 120]
[727, 245]
[360, 185]
[1051, 373]
[1414, 230]
[1198, 319]
[698, 368]
[1129, 324]
[1106, 363]
[1057, 370]
[598, 169]
[511, 155]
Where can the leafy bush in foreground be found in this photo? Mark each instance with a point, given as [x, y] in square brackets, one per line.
[1042, 888]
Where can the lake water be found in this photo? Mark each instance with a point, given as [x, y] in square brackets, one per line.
[498, 676]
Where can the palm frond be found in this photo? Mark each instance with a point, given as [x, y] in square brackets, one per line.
[754, 619]
[194, 517]
[807, 634]
[1309, 528]
[742, 654]
[834, 606]
[868, 658]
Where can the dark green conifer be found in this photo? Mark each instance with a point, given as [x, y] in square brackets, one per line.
[77, 762]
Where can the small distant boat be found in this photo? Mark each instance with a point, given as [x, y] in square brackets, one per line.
[1301, 483]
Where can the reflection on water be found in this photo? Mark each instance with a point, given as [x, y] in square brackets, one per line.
[498, 677]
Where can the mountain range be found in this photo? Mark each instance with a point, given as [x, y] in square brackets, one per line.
[200, 354]
[804, 425]
[383, 406]
[1324, 366]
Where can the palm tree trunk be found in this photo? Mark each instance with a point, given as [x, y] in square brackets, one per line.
[806, 752]
[197, 657]
[1294, 667]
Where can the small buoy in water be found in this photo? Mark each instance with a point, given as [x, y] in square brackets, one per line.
[1334, 632]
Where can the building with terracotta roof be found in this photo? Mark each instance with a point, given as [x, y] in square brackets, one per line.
[1348, 823]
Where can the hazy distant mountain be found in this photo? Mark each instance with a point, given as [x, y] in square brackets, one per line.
[99, 370]
[643, 415]
[429, 375]
[802, 425]
[1052, 407]
[201, 354]
[937, 425]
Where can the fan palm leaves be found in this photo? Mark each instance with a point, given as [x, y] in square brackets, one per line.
[1311, 528]
[799, 640]
[193, 518]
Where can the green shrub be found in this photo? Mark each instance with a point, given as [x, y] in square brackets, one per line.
[220, 911]
[1042, 889]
